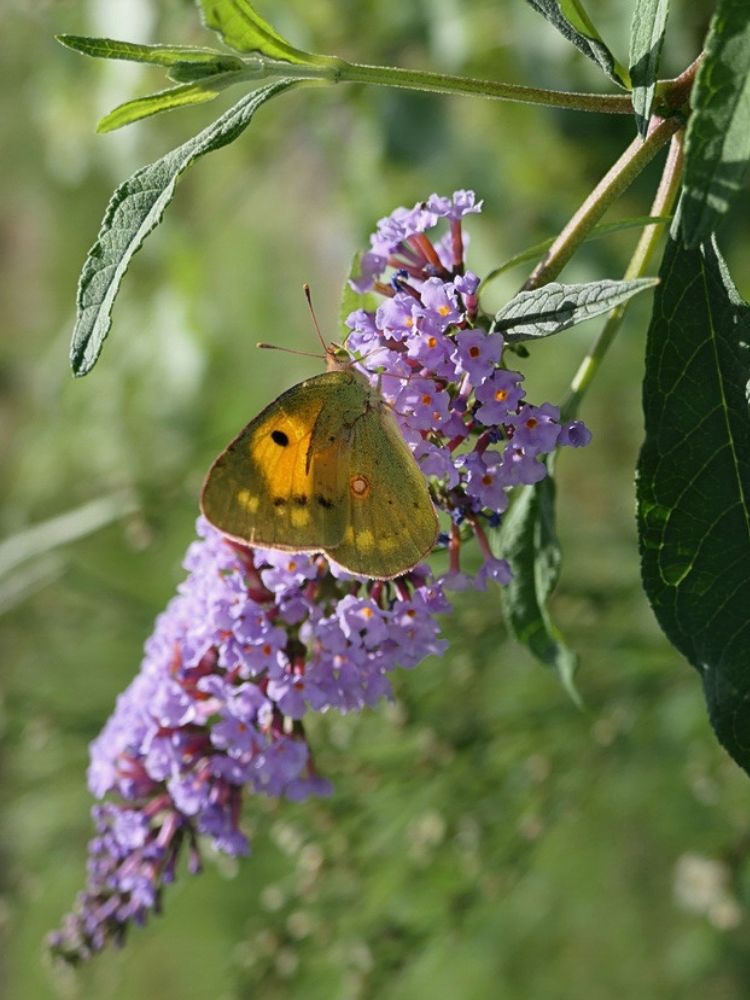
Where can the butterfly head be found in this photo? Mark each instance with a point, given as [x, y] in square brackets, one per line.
[337, 358]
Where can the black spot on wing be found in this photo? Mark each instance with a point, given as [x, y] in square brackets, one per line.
[300, 499]
[279, 438]
[279, 501]
[324, 501]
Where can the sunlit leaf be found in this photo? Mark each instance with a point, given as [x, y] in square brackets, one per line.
[135, 209]
[165, 100]
[552, 308]
[717, 145]
[572, 21]
[202, 59]
[243, 29]
[646, 38]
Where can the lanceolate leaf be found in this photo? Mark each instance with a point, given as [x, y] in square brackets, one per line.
[572, 21]
[528, 541]
[694, 480]
[241, 28]
[717, 145]
[205, 60]
[603, 229]
[646, 37]
[134, 210]
[166, 100]
[555, 307]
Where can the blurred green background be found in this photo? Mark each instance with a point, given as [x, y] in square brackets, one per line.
[486, 838]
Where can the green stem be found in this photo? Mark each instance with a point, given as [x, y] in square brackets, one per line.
[663, 202]
[619, 177]
[442, 83]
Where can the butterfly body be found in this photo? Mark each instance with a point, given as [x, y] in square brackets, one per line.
[325, 468]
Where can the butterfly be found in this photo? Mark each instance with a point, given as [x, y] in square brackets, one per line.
[325, 468]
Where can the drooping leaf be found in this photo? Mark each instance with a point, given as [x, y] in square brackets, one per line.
[694, 480]
[202, 60]
[166, 100]
[243, 29]
[554, 307]
[135, 209]
[572, 21]
[603, 229]
[646, 38]
[717, 145]
[528, 540]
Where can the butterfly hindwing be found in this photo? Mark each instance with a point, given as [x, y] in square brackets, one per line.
[270, 487]
[392, 521]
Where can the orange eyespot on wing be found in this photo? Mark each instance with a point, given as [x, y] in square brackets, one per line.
[392, 521]
[359, 486]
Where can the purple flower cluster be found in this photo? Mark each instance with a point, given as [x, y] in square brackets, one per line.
[439, 365]
[255, 639]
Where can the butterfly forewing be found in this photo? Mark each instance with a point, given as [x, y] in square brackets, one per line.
[270, 487]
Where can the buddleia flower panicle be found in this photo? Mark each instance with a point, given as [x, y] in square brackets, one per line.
[257, 639]
[437, 361]
[253, 641]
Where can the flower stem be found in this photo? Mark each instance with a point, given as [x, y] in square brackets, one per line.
[663, 202]
[619, 177]
[442, 83]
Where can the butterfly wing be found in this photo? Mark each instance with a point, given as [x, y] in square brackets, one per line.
[279, 484]
[392, 521]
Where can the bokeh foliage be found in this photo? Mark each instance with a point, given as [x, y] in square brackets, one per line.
[485, 835]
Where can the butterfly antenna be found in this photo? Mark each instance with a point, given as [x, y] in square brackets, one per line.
[287, 350]
[305, 354]
[308, 296]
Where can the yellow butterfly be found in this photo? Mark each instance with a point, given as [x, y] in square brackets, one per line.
[325, 468]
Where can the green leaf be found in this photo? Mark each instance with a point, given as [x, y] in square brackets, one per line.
[203, 61]
[572, 21]
[528, 540]
[166, 100]
[351, 299]
[646, 38]
[196, 72]
[717, 145]
[694, 480]
[554, 307]
[603, 229]
[135, 209]
[241, 28]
